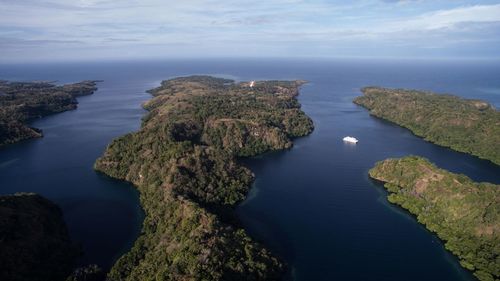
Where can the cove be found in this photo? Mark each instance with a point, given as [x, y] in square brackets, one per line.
[103, 215]
[314, 205]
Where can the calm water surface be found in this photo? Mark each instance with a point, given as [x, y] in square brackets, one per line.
[314, 205]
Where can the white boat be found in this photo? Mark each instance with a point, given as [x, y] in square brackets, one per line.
[350, 139]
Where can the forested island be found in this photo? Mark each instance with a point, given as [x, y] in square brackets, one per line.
[21, 102]
[35, 244]
[34, 241]
[465, 125]
[183, 162]
[463, 213]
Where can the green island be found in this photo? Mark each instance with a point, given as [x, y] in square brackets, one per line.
[34, 241]
[183, 161]
[21, 102]
[465, 125]
[464, 214]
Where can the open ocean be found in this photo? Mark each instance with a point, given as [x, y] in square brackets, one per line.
[314, 204]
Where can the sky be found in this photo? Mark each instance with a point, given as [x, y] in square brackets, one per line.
[52, 30]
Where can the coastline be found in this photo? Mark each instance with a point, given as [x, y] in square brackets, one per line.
[23, 102]
[411, 109]
[433, 196]
[187, 166]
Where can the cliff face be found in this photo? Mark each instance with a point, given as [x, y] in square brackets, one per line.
[463, 213]
[183, 163]
[23, 101]
[470, 126]
[34, 242]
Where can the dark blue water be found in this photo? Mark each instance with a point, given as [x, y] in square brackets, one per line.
[313, 204]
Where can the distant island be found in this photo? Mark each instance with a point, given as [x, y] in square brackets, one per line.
[21, 102]
[463, 213]
[465, 125]
[183, 162]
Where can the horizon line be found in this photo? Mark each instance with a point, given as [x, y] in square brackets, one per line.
[298, 58]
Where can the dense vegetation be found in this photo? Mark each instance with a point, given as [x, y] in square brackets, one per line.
[183, 162]
[470, 126]
[463, 213]
[21, 102]
[34, 242]
[90, 272]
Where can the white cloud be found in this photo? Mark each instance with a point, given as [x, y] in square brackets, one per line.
[221, 27]
[449, 18]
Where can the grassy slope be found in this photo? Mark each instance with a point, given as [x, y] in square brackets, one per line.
[182, 161]
[24, 101]
[470, 126]
[463, 213]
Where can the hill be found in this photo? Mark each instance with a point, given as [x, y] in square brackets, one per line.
[183, 162]
[463, 213]
[465, 125]
[34, 241]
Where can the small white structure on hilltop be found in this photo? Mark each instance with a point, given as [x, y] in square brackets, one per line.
[350, 139]
[252, 83]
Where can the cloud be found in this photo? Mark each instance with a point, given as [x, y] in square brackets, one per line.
[23, 43]
[451, 17]
[217, 27]
[399, 1]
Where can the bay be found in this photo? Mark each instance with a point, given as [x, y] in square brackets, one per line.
[314, 204]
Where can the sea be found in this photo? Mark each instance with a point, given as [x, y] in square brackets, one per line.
[313, 205]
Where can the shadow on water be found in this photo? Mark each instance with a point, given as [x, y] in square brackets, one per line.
[313, 204]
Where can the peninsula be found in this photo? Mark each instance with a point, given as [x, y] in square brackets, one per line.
[21, 102]
[465, 125]
[183, 162]
[463, 213]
